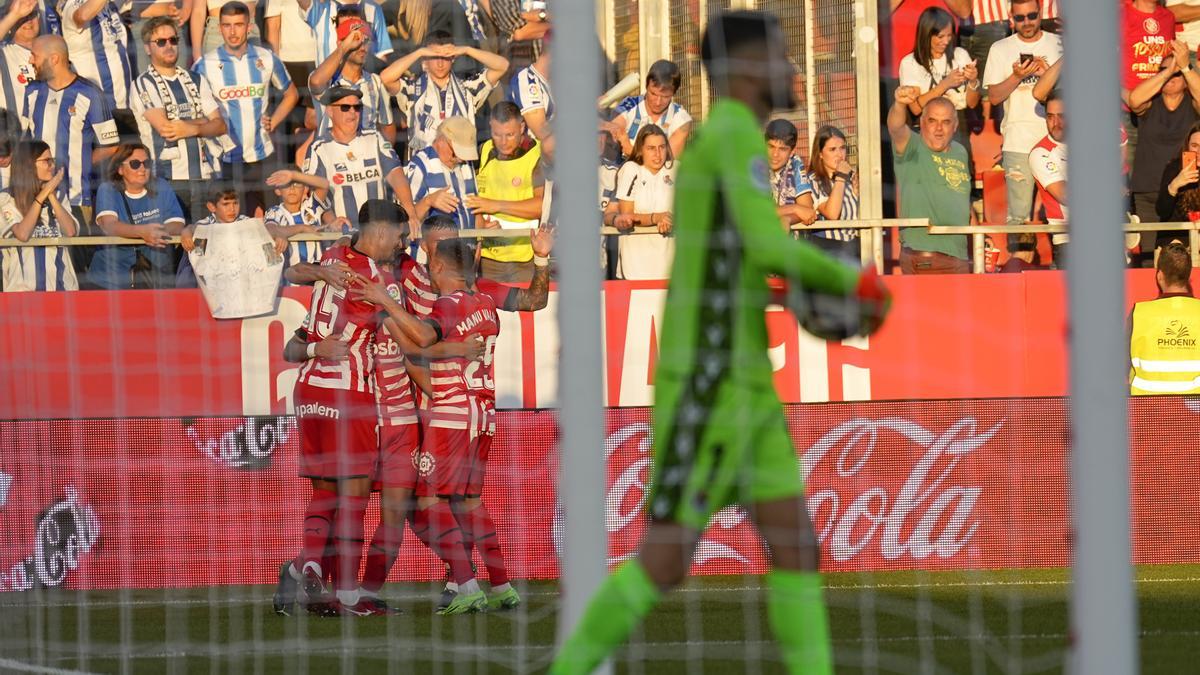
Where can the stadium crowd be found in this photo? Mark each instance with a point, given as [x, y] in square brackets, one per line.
[142, 119]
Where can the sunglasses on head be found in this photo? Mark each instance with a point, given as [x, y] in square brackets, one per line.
[163, 42]
[349, 107]
[136, 164]
[1019, 18]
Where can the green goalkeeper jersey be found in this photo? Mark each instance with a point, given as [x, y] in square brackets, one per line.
[719, 427]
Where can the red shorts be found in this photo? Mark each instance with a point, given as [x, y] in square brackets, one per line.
[337, 432]
[399, 450]
[452, 462]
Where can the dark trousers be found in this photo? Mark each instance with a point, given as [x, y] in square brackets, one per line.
[931, 262]
[250, 180]
[192, 198]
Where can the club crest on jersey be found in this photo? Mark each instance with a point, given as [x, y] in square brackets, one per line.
[350, 156]
[516, 181]
[393, 291]
[258, 63]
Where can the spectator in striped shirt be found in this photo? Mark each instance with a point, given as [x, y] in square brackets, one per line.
[34, 205]
[99, 46]
[357, 165]
[71, 115]
[441, 176]
[835, 192]
[531, 92]
[438, 93]
[322, 14]
[21, 27]
[241, 76]
[789, 181]
[178, 118]
[298, 212]
[345, 68]
[657, 106]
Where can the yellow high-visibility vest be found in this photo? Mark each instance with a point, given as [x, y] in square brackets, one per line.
[509, 180]
[1164, 348]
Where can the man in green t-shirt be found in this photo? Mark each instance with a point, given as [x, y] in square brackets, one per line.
[720, 436]
[935, 183]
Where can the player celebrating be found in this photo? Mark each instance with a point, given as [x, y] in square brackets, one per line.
[336, 409]
[719, 432]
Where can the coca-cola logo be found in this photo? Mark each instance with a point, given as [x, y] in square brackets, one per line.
[928, 515]
[65, 532]
[249, 446]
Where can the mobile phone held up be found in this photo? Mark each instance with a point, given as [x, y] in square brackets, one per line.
[1189, 160]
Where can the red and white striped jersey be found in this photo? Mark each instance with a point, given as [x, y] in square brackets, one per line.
[464, 391]
[987, 11]
[397, 404]
[333, 313]
[419, 295]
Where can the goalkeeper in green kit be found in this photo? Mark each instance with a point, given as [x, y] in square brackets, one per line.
[719, 431]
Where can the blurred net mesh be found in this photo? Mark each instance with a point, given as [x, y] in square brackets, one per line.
[151, 545]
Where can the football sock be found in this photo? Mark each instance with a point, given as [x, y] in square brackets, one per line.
[618, 606]
[381, 555]
[446, 541]
[349, 540]
[418, 519]
[796, 612]
[318, 523]
[478, 522]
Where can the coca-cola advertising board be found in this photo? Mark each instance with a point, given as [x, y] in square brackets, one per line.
[907, 485]
[161, 354]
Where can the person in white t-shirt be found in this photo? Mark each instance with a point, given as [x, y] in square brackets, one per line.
[937, 67]
[1014, 66]
[1187, 13]
[645, 190]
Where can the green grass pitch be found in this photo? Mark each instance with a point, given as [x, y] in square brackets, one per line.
[956, 622]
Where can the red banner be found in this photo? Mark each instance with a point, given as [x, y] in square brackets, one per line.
[911, 485]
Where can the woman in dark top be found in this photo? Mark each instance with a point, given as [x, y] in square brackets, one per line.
[1179, 194]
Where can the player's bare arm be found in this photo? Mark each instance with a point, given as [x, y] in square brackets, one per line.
[534, 296]
[330, 349]
[337, 275]
[400, 324]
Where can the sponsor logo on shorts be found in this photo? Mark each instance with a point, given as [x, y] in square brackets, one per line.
[317, 410]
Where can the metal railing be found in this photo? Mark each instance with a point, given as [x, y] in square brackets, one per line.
[870, 241]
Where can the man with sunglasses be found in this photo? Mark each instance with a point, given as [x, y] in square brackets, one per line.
[177, 116]
[20, 23]
[241, 76]
[1014, 66]
[358, 165]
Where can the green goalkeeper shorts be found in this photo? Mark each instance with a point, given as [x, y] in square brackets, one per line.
[738, 451]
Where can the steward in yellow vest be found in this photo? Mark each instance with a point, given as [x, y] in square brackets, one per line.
[511, 183]
[1164, 341]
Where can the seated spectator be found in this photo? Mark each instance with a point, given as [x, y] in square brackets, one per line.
[438, 93]
[354, 165]
[1024, 257]
[937, 67]
[1048, 160]
[789, 181]
[511, 181]
[321, 15]
[345, 67]
[1014, 67]
[646, 188]
[657, 106]
[298, 212]
[178, 117]
[1167, 105]
[20, 27]
[1179, 196]
[224, 206]
[530, 90]
[205, 26]
[440, 175]
[835, 190]
[931, 169]
[135, 204]
[34, 205]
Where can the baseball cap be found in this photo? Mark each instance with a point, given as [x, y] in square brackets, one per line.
[337, 93]
[352, 23]
[461, 133]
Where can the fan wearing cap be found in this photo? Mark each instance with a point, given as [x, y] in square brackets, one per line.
[345, 68]
[322, 16]
[438, 93]
[359, 165]
[441, 175]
